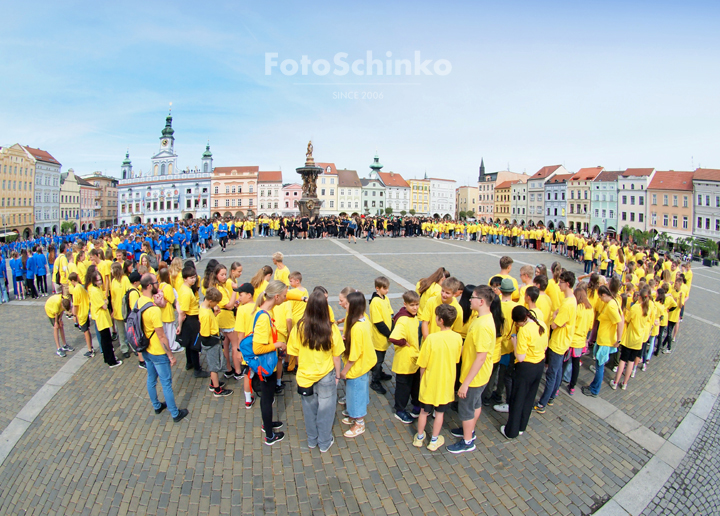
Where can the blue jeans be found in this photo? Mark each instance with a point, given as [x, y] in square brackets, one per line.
[588, 266]
[319, 411]
[553, 377]
[3, 291]
[159, 366]
[597, 381]
[357, 395]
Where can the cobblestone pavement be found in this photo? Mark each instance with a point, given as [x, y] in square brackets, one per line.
[694, 487]
[98, 448]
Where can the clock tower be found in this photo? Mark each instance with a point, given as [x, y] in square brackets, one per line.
[164, 163]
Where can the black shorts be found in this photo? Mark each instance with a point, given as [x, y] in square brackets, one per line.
[350, 232]
[629, 355]
[440, 408]
[85, 327]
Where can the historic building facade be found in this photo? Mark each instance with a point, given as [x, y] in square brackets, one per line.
[166, 194]
[17, 173]
[47, 191]
[234, 191]
[107, 199]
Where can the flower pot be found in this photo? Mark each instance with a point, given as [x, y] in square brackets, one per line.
[707, 262]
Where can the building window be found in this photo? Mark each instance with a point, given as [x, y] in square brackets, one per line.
[322, 191]
[332, 191]
[322, 181]
[624, 199]
[612, 214]
[685, 201]
[624, 216]
[685, 223]
[653, 218]
[707, 224]
[675, 200]
[707, 200]
[700, 202]
[332, 204]
[632, 216]
[632, 200]
[641, 200]
[665, 200]
[654, 199]
[597, 212]
[699, 224]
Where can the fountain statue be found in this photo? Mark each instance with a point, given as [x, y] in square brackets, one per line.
[309, 205]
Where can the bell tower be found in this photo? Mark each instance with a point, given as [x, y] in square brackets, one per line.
[207, 166]
[164, 163]
[126, 168]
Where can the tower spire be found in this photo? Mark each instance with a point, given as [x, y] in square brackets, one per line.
[482, 170]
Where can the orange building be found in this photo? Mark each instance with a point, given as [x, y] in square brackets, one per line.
[670, 196]
[234, 192]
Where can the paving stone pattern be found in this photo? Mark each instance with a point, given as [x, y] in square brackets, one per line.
[98, 448]
[694, 487]
[29, 358]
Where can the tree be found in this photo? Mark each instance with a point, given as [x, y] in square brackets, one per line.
[412, 212]
[663, 239]
[67, 226]
[388, 211]
[403, 213]
[461, 214]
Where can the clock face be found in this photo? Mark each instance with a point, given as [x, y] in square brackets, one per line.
[164, 142]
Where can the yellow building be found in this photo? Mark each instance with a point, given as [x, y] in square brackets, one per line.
[419, 196]
[17, 176]
[466, 199]
[69, 202]
[502, 202]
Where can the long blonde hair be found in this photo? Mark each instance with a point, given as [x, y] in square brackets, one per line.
[273, 288]
[176, 267]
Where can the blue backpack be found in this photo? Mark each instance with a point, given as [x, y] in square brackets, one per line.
[263, 365]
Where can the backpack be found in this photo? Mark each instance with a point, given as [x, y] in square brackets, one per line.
[263, 365]
[134, 332]
[125, 306]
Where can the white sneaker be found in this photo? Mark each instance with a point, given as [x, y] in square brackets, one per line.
[503, 407]
[592, 368]
[624, 386]
[613, 385]
[633, 373]
[615, 369]
[644, 367]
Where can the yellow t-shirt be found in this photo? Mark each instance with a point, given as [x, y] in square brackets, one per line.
[432, 291]
[208, 322]
[53, 306]
[380, 311]
[530, 343]
[226, 318]
[562, 336]
[296, 309]
[282, 275]
[428, 314]
[679, 298]
[608, 319]
[244, 318]
[503, 345]
[314, 365]
[167, 313]
[516, 293]
[637, 327]
[405, 359]
[261, 288]
[556, 296]
[544, 303]
[280, 314]
[61, 264]
[362, 351]
[187, 301]
[480, 339]
[151, 319]
[82, 301]
[117, 291]
[100, 315]
[178, 282]
[584, 319]
[439, 356]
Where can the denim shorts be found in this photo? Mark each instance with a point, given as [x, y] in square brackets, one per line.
[357, 395]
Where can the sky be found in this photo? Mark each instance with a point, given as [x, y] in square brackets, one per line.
[518, 84]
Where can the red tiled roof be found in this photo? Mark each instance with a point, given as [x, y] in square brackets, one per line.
[393, 179]
[348, 178]
[707, 174]
[545, 171]
[637, 172]
[229, 170]
[506, 184]
[587, 174]
[672, 180]
[324, 166]
[41, 155]
[82, 182]
[608, 175]
[563, 178]
[270, 177]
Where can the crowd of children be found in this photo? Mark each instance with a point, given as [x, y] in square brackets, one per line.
[456, 346]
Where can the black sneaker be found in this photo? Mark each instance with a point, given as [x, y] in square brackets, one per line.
[163, 406]
[114, 336]
[239, 376]
[220, 384]
[276, 438]
[279, 389]
[142, 365]
[229, 374]
[126, 354]
[221, 393]
[377, 387]
[384, 377]
[458, 432]
[277, 425]
[182, 413]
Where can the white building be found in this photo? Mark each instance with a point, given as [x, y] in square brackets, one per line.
[706, 201]
[536, 192]
[47, 192]
[518, 202]
[166, 194]
[442, 197]
[632, 188]
[269, 187]
[397, 192]
[350, 191]
[327, 189]
[373, 196]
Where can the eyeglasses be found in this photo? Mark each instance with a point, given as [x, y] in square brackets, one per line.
[475, 297]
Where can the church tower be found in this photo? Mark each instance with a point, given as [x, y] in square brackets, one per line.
[481, 177]
[127, 172]
[375, 168]
[207, 166]
[164, 163]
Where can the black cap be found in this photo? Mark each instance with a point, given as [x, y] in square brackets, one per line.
[135, 277]
[245, 287]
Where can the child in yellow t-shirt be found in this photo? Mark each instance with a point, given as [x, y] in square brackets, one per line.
[438, 360]
[243, 326]
[381, 314]
[211, 342]
[447, 297]
[404, 337]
